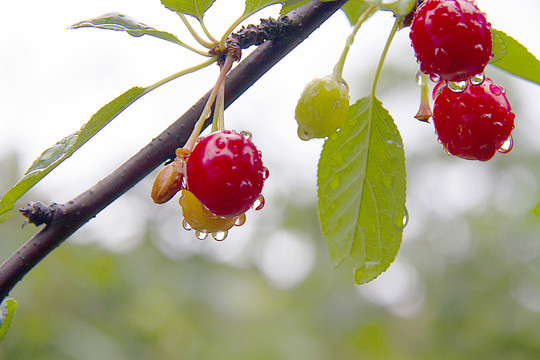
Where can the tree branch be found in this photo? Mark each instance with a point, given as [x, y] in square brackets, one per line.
[67, 218]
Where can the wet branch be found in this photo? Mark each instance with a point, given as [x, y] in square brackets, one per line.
[63, 220]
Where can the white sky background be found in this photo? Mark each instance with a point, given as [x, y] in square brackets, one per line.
[53, 79]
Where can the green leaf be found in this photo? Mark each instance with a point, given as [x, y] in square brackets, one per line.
[64, 148]
[354, 9]
[252, 6]
[195, 8]
[119, 22]
[361, 190]
[398, 7]
[517, 59]
[6, 316]
[290, 5]
[498, 48]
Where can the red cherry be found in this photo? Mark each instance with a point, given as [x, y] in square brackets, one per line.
[226, 173]
[451, 39]
[475, 122]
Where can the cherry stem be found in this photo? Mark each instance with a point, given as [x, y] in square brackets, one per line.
[424, 113]
[338, 69]
[218, 122]
[208, 107]
[194, 33]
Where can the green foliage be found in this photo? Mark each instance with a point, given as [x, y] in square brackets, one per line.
[6, 316]
[64, 148]
[398, 7]
[252, 6]
[517, 59]
[195, 8]
[354, 9]
[119, 22]
[361, 189]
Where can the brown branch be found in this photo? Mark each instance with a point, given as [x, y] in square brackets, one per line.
[69, 217]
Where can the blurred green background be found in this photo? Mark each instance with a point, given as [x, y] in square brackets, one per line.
[133, 284]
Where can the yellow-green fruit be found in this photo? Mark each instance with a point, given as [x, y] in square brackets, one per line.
[200, 218]
[322, 107]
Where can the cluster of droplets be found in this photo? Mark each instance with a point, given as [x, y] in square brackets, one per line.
[219, 180]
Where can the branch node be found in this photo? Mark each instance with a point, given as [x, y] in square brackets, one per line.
[37, 213]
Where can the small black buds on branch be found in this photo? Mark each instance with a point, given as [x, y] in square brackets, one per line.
[268, 29]
[37, 213]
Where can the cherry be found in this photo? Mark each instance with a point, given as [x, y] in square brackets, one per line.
[451, 39]
[322, 108]
[226, 173]
[473, 123]
[199, 218]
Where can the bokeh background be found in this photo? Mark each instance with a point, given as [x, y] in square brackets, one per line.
[132, 284]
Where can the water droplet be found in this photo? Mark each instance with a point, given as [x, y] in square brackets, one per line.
[221, 143]
[220, 235]
[437, 89]
[265, 173]
[435, 77]
[201, 235]
[259, 203]
[245, 186]
[507, 146]
[477, 79]
[305, 133]
[406, 218]
[457, 86]
[241, 220]
[495, 89]
[186, 225]
[446, 151]
[419, 78]
[246, 134]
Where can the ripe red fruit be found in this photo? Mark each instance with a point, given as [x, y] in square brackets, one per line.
[226, 173]
[451, 39]
[475, 122]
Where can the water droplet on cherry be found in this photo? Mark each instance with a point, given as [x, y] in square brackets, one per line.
[457, 86]
[220, 235]
[241, 220]
[419, 78]
[186, 225]
[248, 135]
[201, 235]
[507, 145]
[496, 89]
[259, 203]
[265, 173]
[435, 77]
[437, 89]
[477, 79]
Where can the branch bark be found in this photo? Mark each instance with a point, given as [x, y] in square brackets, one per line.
[69, 217]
